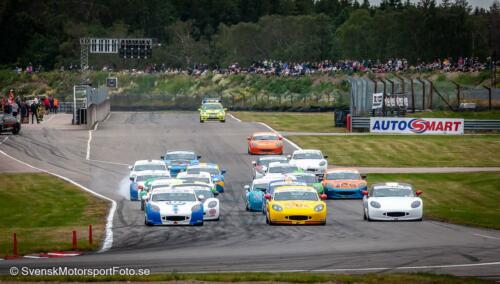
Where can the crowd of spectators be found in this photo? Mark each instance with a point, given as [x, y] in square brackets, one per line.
[280, 68]
[22, 108]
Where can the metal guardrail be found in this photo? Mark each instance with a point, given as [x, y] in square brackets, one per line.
[359, 122]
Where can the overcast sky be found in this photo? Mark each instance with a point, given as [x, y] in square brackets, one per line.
[481, 3]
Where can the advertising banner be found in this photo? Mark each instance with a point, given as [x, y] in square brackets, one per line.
[377, 100]
[410, 125]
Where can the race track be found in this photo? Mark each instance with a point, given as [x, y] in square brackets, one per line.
[240, 241]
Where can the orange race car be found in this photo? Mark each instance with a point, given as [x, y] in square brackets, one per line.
[261, 143]
[340, 183]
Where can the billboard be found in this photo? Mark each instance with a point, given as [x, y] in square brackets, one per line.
[410, 125]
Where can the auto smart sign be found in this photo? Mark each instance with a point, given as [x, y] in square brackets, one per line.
[403, 125]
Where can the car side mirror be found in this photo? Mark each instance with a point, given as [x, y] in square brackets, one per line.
[280, 137]
[418, 192]
[223, 171]
[199, 157]
[254, 163]
[326, 156]
[247, 187]
[249, 138]
[144, 197]
[130, 167]
[140, 187]
[323, 196]
[365, 192]
[131, 178]
[288, 157]
[363, 176]
[267, 196]
[162, 157]
[201, 197]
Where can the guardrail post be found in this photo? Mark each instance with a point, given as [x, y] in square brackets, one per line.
[383, 98]
[349, 122]
[489, 97]
[412, 95]
[14, 244]
[74, 241]
[90, 235]
[458, 94]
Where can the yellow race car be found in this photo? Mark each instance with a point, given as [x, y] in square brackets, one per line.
[295, 205]
[212, 111]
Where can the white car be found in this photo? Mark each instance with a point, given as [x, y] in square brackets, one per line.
[174, 207]
[278, 169]
[211, 208]
[146, 165]
[392, 201]
[260, 166]
[137, 183]
[202, 177]
[311, 161]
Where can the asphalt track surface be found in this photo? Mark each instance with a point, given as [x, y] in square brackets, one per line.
[240, 241]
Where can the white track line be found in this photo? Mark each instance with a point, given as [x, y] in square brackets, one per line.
[487, 237]
[5, 139]
[87, 157]
[235, 118]
[51, 117]
[284, 138]
[108, 240]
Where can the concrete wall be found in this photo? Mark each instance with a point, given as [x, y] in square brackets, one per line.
[97, 113]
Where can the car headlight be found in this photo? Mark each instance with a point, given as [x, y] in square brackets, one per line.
[155, 208]
[416, 204]
[375, 204]
[319, 207]
[276, 207]
[212, 204]
[322, 163]
[197, 207]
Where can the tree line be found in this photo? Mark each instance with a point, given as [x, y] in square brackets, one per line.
[222, 32]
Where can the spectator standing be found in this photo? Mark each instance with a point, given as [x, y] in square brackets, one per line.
[56, 105]
[15, 109]
[24, 111]
[34, 112]
[51, 104]
[46, 104]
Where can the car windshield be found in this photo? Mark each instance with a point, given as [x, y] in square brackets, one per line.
[211, 171]
[342, 176]
[144, 178]
[260, 187]
[180, 156]
[295, 195]
[206, 193]
[195, 179]
[283, 169]
[392, 192]
[150, 167]
[265, 137]
[307, 179]
[266, 162]
[173, 196]
[212, 107]
[302, 156]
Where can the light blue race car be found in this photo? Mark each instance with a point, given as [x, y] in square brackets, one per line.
[178, 161]
[254, 194]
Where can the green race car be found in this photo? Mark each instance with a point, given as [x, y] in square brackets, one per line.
[212, 111]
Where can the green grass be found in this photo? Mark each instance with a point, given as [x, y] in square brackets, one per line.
[303, 277]
[454, 114]
[293, 121]
[406, 151]
[461, 198]
[43, 211]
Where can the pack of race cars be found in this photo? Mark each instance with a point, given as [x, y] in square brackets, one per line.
[177, 190]
[291, 189]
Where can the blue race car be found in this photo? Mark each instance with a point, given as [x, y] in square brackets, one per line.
[178, 161]
[168, 206]
[254, 194]
[215, 172]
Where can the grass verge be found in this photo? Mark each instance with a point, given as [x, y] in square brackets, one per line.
[461, 198]
[43, 211]
[416, 278]
[293, 121]
[406, 150]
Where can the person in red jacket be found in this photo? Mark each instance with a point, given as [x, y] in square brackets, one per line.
[46, 104]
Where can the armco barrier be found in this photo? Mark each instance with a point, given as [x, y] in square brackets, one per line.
[363, 123]
[97, 112]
